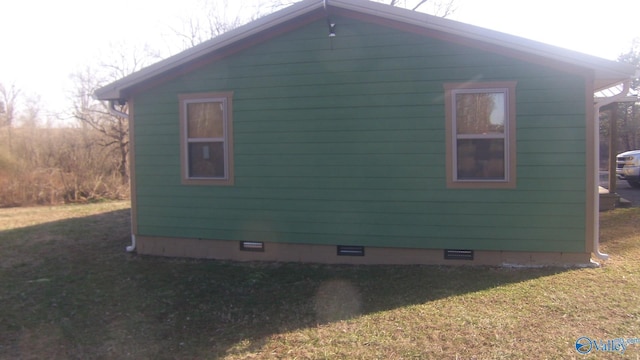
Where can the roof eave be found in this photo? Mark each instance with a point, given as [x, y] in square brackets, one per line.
[116, 90]
[605, 72]
[485, 35]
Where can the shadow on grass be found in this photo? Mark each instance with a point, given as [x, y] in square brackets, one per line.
[71, 291]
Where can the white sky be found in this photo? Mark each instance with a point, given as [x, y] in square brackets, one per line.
[44, 41]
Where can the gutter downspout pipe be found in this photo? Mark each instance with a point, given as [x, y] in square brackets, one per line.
[596, 208]
[113, 111]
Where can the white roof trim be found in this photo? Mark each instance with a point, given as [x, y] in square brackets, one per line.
[113, 90]
[607, 73]
[617, 92]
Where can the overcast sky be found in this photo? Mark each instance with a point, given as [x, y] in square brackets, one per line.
[44, 41]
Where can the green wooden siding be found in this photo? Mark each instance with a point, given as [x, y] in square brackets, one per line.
[343, 142]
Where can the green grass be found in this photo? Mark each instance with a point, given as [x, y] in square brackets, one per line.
[70, 291]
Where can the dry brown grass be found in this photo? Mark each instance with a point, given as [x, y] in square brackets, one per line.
[46, 166]
[70, 291]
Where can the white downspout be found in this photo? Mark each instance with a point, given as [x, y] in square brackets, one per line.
[132, 247]
[596, 209]
[113, 111]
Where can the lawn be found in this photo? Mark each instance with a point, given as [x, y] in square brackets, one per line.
[70, 291]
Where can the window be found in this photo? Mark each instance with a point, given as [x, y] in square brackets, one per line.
[206, 138]
[480, 135]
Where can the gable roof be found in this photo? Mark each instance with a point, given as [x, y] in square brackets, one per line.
[607, 73]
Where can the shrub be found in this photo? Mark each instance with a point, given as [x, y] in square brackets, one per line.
[56, 165]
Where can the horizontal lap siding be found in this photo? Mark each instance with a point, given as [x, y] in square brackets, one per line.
[342, 142]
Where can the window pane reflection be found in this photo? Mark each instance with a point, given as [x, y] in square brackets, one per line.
[481, 159]
[205, 120]
[480, 113]
[206, 159]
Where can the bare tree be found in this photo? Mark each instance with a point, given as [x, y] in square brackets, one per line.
[632, 56]
[96, 115]
[442, 8]
[121, 61]
[628, 113]
[625, 114]
[215, 17]
[30, 116]
[8, 98]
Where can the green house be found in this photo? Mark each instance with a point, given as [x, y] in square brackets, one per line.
[348, 131]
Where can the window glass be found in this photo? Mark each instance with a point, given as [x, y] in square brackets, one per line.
[480, 141]
[480, 127]
[480, 113]
[206, 159]
[481, 159]
[205, 120]
[206, 129]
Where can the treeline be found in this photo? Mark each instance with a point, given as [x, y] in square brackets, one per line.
[88, 160]
[58, 165]
[627, 119]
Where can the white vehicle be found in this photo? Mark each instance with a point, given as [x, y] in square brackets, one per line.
[628, 167]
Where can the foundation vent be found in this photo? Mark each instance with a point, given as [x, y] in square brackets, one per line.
[450, 254]
[251, 246]
[348, 250]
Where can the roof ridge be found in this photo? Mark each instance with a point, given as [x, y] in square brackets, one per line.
[607, 70]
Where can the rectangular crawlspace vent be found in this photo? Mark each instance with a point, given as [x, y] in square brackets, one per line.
[251, 246]
[348, 250]
[458, 254]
